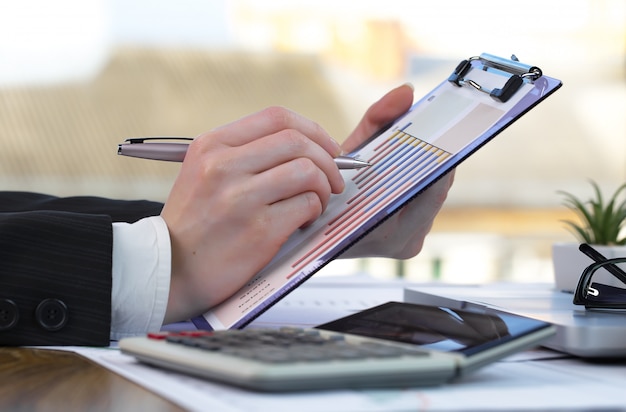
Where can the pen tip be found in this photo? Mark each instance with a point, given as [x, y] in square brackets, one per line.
[351, 163]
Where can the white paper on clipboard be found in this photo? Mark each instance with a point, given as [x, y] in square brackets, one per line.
[440, 130]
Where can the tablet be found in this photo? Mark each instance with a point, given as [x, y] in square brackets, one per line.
[482, 96]
[480, 335]
[579, 332]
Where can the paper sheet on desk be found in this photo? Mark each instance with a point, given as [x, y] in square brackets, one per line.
[520, 385]
[519, 382]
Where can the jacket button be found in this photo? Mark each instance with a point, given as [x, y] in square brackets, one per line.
[51, 314]
[9, 315]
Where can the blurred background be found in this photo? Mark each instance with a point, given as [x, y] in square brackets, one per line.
[79, 76]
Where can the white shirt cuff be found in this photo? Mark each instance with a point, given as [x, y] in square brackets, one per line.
[141, 276]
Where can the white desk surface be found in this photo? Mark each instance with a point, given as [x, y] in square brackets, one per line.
[533, 380]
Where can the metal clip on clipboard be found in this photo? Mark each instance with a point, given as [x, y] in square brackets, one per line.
[519, 72]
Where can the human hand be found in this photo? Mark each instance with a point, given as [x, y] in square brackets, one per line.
[402, 235]
[242, 190]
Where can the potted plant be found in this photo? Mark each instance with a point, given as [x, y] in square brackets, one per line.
[602, 223]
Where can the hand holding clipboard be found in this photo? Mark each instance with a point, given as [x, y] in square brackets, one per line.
[482, 97]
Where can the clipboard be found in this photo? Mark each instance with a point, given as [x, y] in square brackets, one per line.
[483, 96]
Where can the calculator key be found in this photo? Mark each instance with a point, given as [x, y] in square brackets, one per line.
[288, 345]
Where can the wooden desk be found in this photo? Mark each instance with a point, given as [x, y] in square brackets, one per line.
[42, 380]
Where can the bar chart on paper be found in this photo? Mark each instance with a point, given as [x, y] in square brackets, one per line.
[397, 164]
[398, 160]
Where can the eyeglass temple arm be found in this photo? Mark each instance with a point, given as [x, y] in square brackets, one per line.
[599, 258]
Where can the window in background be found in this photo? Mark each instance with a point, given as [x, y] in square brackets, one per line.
[77, 77]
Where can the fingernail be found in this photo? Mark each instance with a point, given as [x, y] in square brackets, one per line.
[409, 84]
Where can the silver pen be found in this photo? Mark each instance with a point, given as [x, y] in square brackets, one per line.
[175, 152]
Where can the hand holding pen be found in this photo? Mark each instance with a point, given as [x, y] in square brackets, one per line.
[169, 150]
[243, 189]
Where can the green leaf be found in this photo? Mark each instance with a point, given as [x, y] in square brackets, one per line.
[601, 223]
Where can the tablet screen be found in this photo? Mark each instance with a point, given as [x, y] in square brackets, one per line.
[436, 327]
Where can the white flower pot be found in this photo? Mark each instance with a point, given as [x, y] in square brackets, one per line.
[569, 263]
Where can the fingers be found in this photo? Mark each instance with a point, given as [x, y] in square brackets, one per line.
[268, 139]
[402, 235]
[273, 120]
[388, 108]
[422, 212]
[292, 179]
[265, 197]
[289, 147]
[295, 212]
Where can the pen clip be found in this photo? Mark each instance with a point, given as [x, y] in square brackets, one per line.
[159, 148]
[133, 140]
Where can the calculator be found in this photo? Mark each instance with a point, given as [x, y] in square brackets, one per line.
[416, 346]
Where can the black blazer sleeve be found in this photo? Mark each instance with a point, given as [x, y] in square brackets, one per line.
[55, 267]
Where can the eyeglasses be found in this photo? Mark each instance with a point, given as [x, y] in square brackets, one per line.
[603, 283]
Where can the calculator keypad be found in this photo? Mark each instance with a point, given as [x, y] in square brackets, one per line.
[288, 345]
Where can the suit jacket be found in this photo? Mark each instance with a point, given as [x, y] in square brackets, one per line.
[55, 266]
